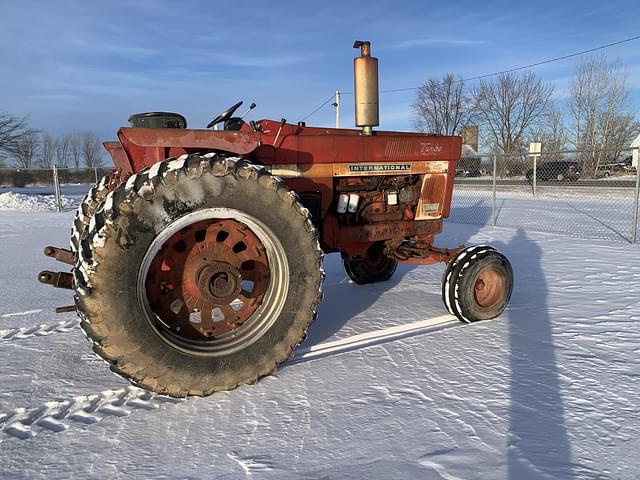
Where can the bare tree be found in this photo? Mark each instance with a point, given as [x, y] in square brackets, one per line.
[551, 132]
[48, 145]
[27, 149]
[91, 150]
[510, 107]
[75, 149]
[63, 150]
[442, 106]
[12, 130]
[602, 117]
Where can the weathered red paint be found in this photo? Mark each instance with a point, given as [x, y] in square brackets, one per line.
[302, 146]
[295, 145]
[119, 156]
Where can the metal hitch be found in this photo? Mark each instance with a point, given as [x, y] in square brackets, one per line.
[56, 279]
[417, 252]
[66, 308]
[60, 254]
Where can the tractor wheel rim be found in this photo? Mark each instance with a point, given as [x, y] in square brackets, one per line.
[213, 282]
[489, 288]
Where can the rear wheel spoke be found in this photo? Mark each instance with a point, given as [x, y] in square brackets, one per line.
[206, 318]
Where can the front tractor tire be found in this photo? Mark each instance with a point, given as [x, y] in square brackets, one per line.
[477, 284]
[373, 267]
[198, 275]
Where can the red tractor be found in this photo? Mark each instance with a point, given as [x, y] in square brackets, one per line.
[197, 264]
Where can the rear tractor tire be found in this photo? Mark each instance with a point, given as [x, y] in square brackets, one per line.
[477, 284]
[197, 275]
[373, 267]
[88, 206]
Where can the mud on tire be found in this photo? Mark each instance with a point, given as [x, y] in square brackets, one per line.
[87, 208]
[116, 316]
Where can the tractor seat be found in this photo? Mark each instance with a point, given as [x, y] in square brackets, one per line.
[158, 120]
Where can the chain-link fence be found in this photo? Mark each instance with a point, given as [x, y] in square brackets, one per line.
[591, 194]
[31, 177]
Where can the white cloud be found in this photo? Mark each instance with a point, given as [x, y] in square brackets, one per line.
[89, 42]
[425, 42]
[55, 96]
[261, 62]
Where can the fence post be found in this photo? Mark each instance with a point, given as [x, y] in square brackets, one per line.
[95, 172]
[493, 202]
[634, 227]
[56, 188]
[535, 174]
[534, 151]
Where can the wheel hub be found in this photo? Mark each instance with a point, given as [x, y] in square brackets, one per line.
[489, 288]
[375, 260]
[220, 282]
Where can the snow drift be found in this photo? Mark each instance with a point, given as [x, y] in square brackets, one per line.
[21, 201]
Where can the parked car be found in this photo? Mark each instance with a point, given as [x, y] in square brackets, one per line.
[606, 170]
[461, 172]
[473, 173]
[22, 178]
[558, 170]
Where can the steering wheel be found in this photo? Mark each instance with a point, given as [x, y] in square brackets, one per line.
[224, 116]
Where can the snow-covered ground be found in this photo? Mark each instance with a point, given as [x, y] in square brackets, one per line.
[551, 389]
[605, 213]
[41, 198]
[21, 201]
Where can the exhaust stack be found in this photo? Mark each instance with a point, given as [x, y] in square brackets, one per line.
[365, 79]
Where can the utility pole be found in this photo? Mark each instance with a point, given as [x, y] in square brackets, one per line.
[336, 104]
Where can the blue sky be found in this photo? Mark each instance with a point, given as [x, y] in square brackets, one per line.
[87, 65]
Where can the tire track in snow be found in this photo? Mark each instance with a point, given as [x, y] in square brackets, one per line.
[80, 410]
[38, 330]
[58, 416]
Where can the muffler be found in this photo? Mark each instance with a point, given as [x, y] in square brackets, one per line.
[365, 79]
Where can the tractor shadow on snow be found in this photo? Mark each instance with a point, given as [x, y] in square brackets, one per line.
[344, 300]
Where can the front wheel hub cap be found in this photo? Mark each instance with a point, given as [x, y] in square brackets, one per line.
[489, 288]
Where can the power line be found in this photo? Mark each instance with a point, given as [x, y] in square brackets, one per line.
[327, 101]
[531, 65]
[487, 75]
